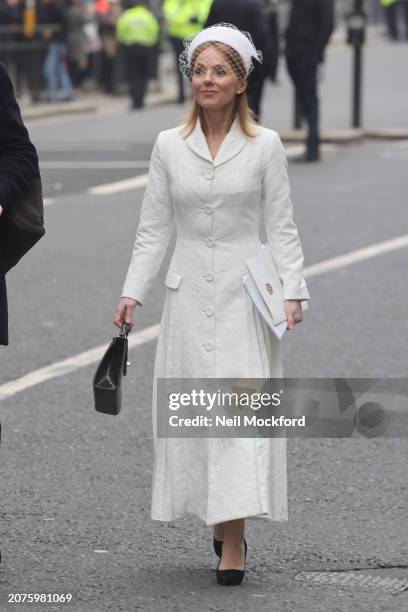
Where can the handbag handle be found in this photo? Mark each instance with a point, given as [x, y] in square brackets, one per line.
[125, 329]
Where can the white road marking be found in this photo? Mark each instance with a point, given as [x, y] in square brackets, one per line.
[66, 366]
[93, 165]
[133, 183]
[352, 186]
[334, 263]
[48, 201]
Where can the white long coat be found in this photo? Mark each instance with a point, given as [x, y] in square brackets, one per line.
[209, 326]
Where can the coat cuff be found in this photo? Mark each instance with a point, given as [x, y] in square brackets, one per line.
[134, 291]
[296, 290]
[133, 295]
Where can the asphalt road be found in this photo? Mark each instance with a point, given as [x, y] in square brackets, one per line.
[75, 512]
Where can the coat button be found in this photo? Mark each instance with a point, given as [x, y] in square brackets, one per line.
[209, 241]
[209, 311]
[209, 346]
[209, 175]
[208, 209]
[209, 276]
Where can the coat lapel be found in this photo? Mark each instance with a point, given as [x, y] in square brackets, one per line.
[198, 143]
[233, 143]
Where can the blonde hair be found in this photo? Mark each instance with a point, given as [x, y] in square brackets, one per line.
[241, 109]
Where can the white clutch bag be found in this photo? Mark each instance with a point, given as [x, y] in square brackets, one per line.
[266, 290]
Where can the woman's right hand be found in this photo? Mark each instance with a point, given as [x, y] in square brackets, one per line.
[124, 312]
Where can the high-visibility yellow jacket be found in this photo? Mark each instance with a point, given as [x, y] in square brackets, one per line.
[184, 18]
[387, 2]
[137, 25]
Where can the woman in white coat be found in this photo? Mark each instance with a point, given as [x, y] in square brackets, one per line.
[214, 181]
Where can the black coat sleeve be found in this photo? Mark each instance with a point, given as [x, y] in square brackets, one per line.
[18, 156]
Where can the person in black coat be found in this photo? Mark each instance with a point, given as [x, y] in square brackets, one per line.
[311, 23]
[18, 166]
[246, 15]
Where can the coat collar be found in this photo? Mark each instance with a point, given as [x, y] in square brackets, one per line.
[234, 141]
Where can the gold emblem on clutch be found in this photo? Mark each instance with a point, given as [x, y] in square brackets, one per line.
[269, 288]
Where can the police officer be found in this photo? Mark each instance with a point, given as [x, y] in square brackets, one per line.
[137, 31]
[311, 23]
[184, 18]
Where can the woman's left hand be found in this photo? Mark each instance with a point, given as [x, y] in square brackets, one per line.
[293, 311]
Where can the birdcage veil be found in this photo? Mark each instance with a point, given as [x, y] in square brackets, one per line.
[235, 45]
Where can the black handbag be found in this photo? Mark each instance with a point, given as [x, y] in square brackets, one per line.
[108, 376]
[21, 226]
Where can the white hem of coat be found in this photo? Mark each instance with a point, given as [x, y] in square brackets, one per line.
[220, 519]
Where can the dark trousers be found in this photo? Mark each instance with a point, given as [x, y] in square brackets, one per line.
[178, 47]
[28, 70]
[304, 77]
[154, 63]
[392, 15]
[271, 58]
[137, 60]
[255, 89]
[107, 73]
[3, 311]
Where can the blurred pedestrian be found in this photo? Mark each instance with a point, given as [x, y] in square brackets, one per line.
[76, 41]
[184, 18]
[156, 7]
[18, 166]
[311, 23]
[11, 22]
[52, 17]
[392, 9]
[137, 30]
[247, 15]
[271, 57]
[220, 161]
[108, 12]
[93, 45]
[26, 54]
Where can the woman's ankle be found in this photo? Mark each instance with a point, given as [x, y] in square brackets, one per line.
[234, 531]
[218, 532]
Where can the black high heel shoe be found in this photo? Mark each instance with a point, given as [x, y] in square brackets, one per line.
[230, 577]
[217, 544]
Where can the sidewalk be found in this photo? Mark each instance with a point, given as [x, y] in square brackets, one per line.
[97, 102]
